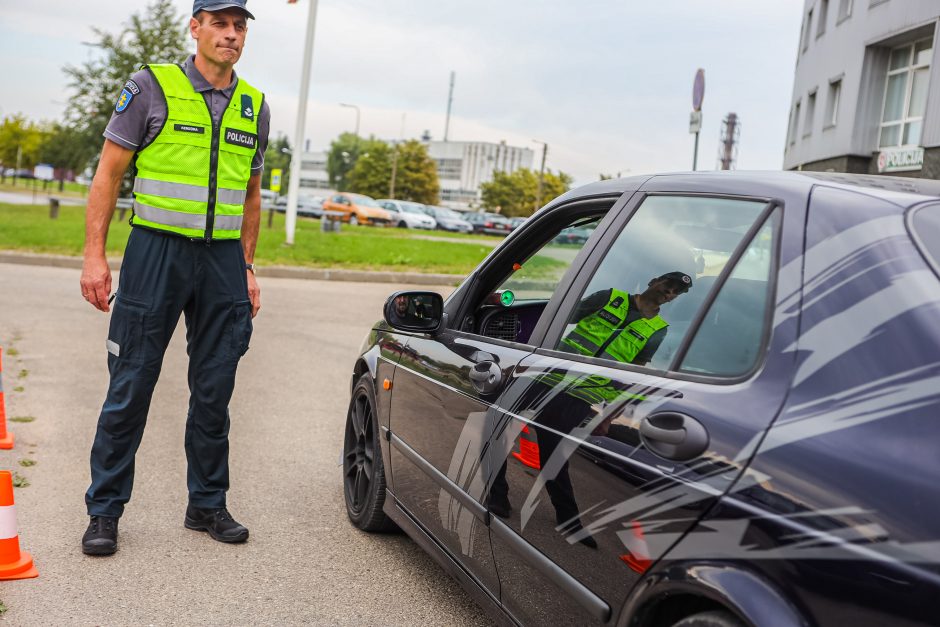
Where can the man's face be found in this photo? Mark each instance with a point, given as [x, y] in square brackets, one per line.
[663, 291]
[220, 35]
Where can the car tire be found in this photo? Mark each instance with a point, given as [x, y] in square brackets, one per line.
[363, 470]
[353, 220]
[402, 225]
[714, 618]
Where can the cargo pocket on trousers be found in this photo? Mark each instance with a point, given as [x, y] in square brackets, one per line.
[126, 334]
[241, 327]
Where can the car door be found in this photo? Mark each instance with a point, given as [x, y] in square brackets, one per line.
[442, 415]
[607, 462]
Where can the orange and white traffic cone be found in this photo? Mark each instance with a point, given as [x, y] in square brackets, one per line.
[14, 564]
[6, 439]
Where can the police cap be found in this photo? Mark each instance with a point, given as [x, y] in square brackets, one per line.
[218, 5]
[681, 278]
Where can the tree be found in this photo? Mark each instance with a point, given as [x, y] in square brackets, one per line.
[516, 193]
[344, 152]
[372, 172]
[277, 155]
[415, 173]
[156, 36]
[66, 150]
[20, 142]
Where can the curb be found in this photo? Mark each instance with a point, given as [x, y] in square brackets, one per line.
[278, 272]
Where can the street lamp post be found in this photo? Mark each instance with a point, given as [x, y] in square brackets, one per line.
[538, 197]
[293, 188]
[352, 106]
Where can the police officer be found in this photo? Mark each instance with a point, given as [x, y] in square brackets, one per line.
[615, 325]
[197, 134]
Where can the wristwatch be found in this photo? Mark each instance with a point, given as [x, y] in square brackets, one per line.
[250, 266]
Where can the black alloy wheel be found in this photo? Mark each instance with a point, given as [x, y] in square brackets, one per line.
[363, 471]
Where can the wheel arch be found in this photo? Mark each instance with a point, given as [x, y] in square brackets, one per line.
[683, 589]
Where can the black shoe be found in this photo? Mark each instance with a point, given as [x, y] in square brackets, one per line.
[499, 505]
[218, 522]
[101, 536]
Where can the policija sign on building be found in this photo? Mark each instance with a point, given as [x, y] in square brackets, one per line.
[900, 159]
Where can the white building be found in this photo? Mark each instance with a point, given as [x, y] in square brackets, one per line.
[463, 166]
[866, 97]
[313, 177]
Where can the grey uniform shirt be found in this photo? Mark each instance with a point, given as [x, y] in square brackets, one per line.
[142, 118]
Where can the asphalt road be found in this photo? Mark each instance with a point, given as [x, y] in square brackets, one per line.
[304, 563]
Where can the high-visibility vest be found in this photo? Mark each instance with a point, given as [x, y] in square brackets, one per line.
[594, 331]
[192, 179]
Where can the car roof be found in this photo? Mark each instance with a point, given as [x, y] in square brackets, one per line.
[898, 190]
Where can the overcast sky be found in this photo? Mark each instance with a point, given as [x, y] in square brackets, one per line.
[606, 84]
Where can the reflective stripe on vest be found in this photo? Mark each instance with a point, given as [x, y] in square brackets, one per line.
[192, 179]
[181, 220]
[594, 331]
[184, 191]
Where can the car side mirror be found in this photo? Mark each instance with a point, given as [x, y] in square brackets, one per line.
[421, 312]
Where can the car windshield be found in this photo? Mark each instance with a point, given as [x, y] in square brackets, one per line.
[408, 207]
[364, 201]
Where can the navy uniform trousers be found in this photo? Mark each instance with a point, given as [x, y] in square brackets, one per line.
[162, 276]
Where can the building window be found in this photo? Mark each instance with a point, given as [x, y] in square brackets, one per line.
[902, 117]
[876, 3]
[823, 16]
[795, 123]
[810, 114]
[832, 103]
[845, 10]
[807, 29]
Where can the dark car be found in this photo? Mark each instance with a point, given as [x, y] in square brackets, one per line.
[574, 235]
[309, 206]
[448, 219]
[722, 409]
[489, 223]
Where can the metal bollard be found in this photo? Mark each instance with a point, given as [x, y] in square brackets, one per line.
[53, 208]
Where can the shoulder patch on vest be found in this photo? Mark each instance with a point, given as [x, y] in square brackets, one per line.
[617, 302]
[241, 138]
[132, 87]
[124, 100]
[248, 111]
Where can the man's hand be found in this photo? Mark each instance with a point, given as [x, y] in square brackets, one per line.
[96, 282]
[254, 293]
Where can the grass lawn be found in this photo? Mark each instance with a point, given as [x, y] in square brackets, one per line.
[28, 228]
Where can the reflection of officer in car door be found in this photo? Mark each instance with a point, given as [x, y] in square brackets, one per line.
[611, 324]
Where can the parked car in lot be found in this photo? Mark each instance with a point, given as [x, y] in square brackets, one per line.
[719, 410]
[309, 206]
[573, 235]
[448, 219]
[488, 223]
[516, 222]
[358, 209]
[406, 214]
[268, 198]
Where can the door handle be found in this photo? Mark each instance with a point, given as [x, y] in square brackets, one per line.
[674, 436]
[486, 376]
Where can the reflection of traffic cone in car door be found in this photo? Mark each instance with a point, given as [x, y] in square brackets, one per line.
[14, 564]
[6, 439]
[528, 452]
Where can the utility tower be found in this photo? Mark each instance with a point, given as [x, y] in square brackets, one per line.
[728, 142]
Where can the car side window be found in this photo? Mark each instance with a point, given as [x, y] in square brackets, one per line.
[511, 309]
[728, 341]
[639, 304]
